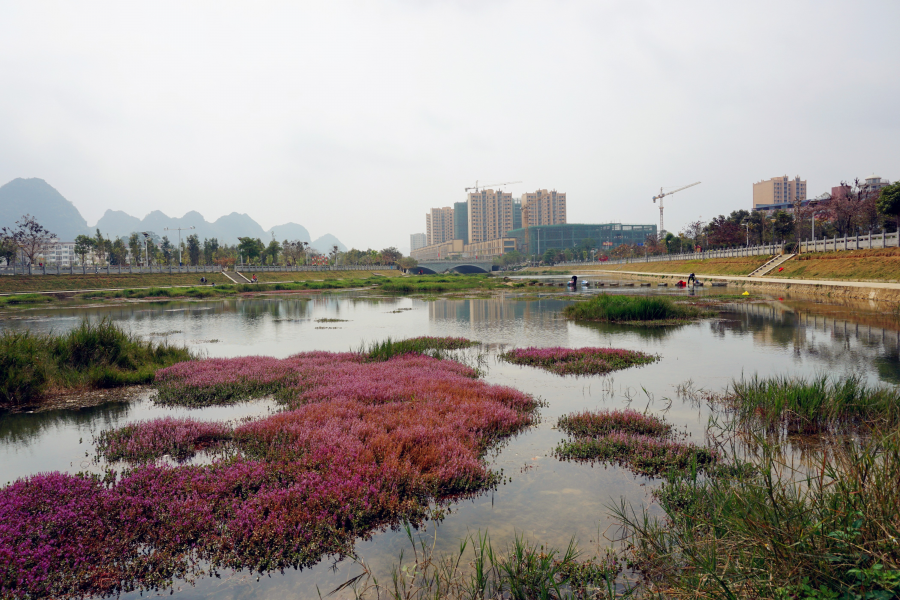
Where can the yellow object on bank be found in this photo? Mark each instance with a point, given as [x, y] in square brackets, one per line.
[745, 294]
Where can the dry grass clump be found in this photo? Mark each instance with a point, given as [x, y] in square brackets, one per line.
[739, 265]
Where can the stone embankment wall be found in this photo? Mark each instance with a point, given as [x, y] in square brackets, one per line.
[835, 291]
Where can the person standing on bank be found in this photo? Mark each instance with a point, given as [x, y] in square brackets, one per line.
[691, 279]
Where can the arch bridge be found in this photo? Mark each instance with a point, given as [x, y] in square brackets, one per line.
[453, 266]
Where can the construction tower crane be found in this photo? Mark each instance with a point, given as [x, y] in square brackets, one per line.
[476, 186]
[662, 195]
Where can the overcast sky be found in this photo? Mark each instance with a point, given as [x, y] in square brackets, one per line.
[355, 118]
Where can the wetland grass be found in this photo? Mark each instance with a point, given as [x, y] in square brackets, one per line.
[440, 283]
[93, 355]
[813, 405]
[523, 569]
[641, 310]
[775, 529]
[25, 299]
[427, 345]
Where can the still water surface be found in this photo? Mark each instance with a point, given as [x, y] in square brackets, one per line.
[547, 500]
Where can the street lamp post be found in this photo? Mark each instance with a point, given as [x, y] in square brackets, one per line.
[146, 248]
[179, 230]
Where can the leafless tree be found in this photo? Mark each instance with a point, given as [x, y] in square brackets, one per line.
[30, 236]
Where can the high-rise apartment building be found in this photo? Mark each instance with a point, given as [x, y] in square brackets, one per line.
[417, 240]
[778, 190]
[543, 208]
[491, 215]
[461, 221]
[439, 225]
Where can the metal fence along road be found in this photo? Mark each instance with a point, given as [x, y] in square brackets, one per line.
[835, 244]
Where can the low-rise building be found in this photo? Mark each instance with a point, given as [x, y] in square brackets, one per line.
[537, 239]
[55, 252]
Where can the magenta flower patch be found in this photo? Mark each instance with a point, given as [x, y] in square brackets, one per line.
[362, 446]
[578, 361]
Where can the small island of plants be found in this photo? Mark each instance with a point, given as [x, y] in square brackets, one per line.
[91, 356]
[643, 443]
[577, 361]
[633, 310]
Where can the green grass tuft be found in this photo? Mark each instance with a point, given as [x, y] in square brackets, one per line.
[775, 529]
[431, 346]
[616, 308]
[818, 404]
[100, 355]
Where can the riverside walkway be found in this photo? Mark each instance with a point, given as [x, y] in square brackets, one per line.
[889, 291]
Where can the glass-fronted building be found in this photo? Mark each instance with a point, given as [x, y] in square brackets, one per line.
[539, 238]
[461, 221]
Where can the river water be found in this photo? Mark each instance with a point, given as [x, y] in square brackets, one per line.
[547, 500]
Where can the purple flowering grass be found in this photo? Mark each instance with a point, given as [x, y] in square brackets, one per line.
[643, 443]
[577, 361]
[362, 445]
[595, 423]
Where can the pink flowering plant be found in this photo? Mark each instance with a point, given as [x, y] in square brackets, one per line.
[578, 361]
[643, 443]
[180, 439]
[596, 423]
[361, 445]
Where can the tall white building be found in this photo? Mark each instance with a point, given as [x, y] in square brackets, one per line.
[417, 240]
[439, 226]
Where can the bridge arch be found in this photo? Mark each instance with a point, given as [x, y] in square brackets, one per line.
[421, 271]
[466, 269]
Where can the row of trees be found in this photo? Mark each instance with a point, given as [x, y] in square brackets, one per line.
[854, 210]
[28, 242]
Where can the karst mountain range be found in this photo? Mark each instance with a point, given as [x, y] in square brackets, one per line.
[51, 209]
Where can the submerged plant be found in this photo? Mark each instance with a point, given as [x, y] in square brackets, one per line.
[577, 361]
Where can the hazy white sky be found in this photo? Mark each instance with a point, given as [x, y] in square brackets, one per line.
[355, 118]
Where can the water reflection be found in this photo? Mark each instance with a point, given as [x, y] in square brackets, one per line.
[545, 498]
